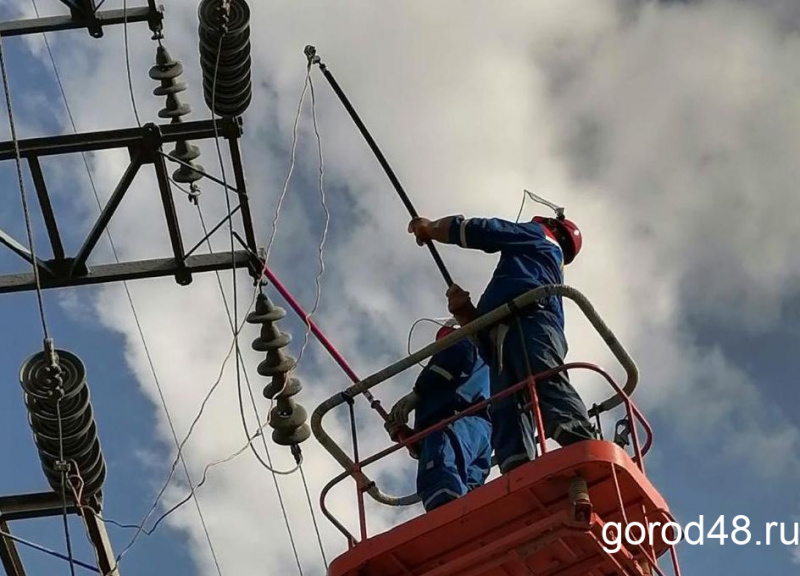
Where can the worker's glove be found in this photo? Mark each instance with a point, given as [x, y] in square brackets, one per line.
[398, 416]
[459, 304]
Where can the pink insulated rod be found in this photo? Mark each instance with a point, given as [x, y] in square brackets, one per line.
[327, 344]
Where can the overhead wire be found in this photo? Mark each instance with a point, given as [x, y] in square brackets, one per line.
[37, 281]
[53, 553]
[323, 202]
[23, 193]
[64, 486]
[244, 367]
[269, 245]
[128, 61]
[115, 253]
[235, 313]
[313, 517]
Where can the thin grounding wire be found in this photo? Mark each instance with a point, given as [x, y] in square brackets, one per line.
[62, 462]
[323, 202]
[291, 168]
[236, 454]
[23, 194]
[244, 367]
[116, 256]
[128, 61]
[235, 307]
[179, 456]
[313, 517]
[150, 531]
[438, 321]
[521, 206]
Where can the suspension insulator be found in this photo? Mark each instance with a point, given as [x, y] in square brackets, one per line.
[167, 71]
[81, 447]
[288, 422]
[287, 418]
[224, 32]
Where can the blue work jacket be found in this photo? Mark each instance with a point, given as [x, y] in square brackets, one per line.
[529, 258]
[452, 380]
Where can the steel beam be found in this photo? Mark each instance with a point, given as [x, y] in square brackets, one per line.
[122, 138]
[244, 200]
[23, 252]
[138, 270]
[35, 505]
[93, 21]
[106, 560]
[8, 553]
[183, 276]
[79, 263]
[46, 207]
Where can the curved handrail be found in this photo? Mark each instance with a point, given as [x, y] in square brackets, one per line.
[633, 414]
[485, 321]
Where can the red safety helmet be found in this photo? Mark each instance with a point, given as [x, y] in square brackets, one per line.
[448, 328]
[567, 234]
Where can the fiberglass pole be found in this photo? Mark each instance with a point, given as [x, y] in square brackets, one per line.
[311, 54]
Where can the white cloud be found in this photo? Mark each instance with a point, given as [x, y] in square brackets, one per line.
[670, 137]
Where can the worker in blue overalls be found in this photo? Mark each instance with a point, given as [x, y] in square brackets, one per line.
[456, 459]
[532, 254]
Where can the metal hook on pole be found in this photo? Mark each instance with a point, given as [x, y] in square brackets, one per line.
[313, 58]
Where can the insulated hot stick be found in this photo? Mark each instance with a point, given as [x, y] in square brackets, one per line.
[311, 54]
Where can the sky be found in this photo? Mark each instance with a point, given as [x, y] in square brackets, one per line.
[668, 130]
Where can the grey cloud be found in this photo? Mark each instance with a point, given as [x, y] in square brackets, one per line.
[628, 122]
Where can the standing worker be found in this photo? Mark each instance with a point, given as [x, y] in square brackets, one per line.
[456, 459]
[532, 254]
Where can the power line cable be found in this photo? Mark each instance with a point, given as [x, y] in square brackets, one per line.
[23, 194]
[235, 308]
[115, 253]
[53, 553]
[39, 296]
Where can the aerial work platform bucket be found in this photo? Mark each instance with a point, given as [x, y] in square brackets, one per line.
[584, 510]
[527, 522]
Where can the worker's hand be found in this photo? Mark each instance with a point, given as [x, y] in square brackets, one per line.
[426, 230]
[398, 416]
[459, 304]
[421, 228]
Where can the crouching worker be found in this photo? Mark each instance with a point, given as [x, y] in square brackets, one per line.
[457, 459]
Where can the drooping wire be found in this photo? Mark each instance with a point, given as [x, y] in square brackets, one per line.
[178, 457]
[438, 321]
[293, 153]
[235, 305]
[116, 258]
[206, 470]
[152, 529]
[244, 367]
[323, 202]
[23, 194]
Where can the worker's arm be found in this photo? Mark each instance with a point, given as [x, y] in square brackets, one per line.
[438, 230]
[442, 375]
[486, 234]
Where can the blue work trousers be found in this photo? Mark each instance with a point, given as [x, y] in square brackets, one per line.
[454, 461]
[564, 414]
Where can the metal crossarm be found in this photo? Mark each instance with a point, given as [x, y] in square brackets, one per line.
[145, 148]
